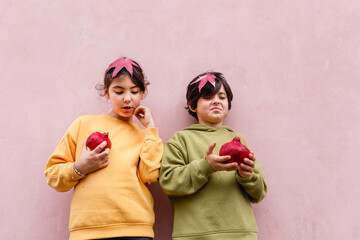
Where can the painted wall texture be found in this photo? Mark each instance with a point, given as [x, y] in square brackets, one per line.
[294, 68]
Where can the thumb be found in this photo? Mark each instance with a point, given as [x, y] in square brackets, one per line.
[210, 148]
[84, 148]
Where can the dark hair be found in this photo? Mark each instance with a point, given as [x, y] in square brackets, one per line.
[208, 90]
[137, 77]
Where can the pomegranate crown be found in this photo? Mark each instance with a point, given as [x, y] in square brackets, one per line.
[120, 64]
[236, 139]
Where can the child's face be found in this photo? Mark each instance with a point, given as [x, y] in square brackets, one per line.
[124, 97]
[212, 111]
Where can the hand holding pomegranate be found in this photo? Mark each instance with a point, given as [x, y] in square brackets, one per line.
[90, 161]
[239, 154]
[144, 115]
[219, 163]
[247, 167]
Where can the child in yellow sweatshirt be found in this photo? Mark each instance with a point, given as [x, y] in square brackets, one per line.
[110, 198]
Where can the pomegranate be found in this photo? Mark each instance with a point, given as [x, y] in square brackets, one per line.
[96, 138]
[236, 150]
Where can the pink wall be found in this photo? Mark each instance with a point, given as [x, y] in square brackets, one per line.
[294, 68]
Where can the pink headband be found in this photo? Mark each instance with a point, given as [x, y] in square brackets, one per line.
[120, 64]
[204, 79]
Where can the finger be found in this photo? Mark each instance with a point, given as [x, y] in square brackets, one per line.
[244, 171]
[231, 166]
[84, 148]
[100, 147]
[210, 148]
[224, 158]
[147, 113]
[244, 174]
[104, 154]
[252, 156]
[249, 162]
[107, 151]
[246, 168]
[136, 110]
[107, 161]
[139, 112]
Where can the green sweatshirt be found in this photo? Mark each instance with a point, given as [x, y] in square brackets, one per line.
[206, 204]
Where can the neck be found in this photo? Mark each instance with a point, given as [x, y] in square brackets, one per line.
[214, 125]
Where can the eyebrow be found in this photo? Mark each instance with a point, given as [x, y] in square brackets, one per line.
[124, 88]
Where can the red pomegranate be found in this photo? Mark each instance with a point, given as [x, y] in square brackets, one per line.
[236, 150]
[96, 138]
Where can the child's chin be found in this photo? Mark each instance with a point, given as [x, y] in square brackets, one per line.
[125, 116]
[218, 117]
[127, 113]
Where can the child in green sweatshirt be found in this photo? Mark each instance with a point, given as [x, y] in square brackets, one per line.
[211, 198]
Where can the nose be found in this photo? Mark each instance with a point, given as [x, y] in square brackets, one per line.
[216, 100]
[127, 98]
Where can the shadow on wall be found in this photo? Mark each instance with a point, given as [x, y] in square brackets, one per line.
[163, 213]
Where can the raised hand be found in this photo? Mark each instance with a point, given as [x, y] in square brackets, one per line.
[144, 115]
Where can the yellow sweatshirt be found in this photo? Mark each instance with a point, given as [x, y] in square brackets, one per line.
[113, 201]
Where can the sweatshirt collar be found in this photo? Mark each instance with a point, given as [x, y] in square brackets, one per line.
[201, 127]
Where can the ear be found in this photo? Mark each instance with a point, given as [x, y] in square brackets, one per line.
[106, 93]
[193, 110]
[142, 95]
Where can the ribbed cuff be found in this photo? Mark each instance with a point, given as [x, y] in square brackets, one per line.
[151, 132]
[245, 180]
[204, 167]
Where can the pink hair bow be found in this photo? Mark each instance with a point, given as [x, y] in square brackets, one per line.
[120, 64]
[204, 79]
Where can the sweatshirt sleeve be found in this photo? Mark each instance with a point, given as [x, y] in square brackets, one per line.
[150, 156]
[177, 178]
[255, 185]
[59, 171]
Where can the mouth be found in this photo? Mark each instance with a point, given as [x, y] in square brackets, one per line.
[215, 109]
[127, 108]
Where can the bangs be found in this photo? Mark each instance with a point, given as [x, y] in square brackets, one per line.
[137, 77]
[208, 90]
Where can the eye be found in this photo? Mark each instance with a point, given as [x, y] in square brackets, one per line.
[134, 92]
[119, 92]
[207, 97]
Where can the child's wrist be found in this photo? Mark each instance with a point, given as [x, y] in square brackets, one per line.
[78, 172]
[150, 124]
